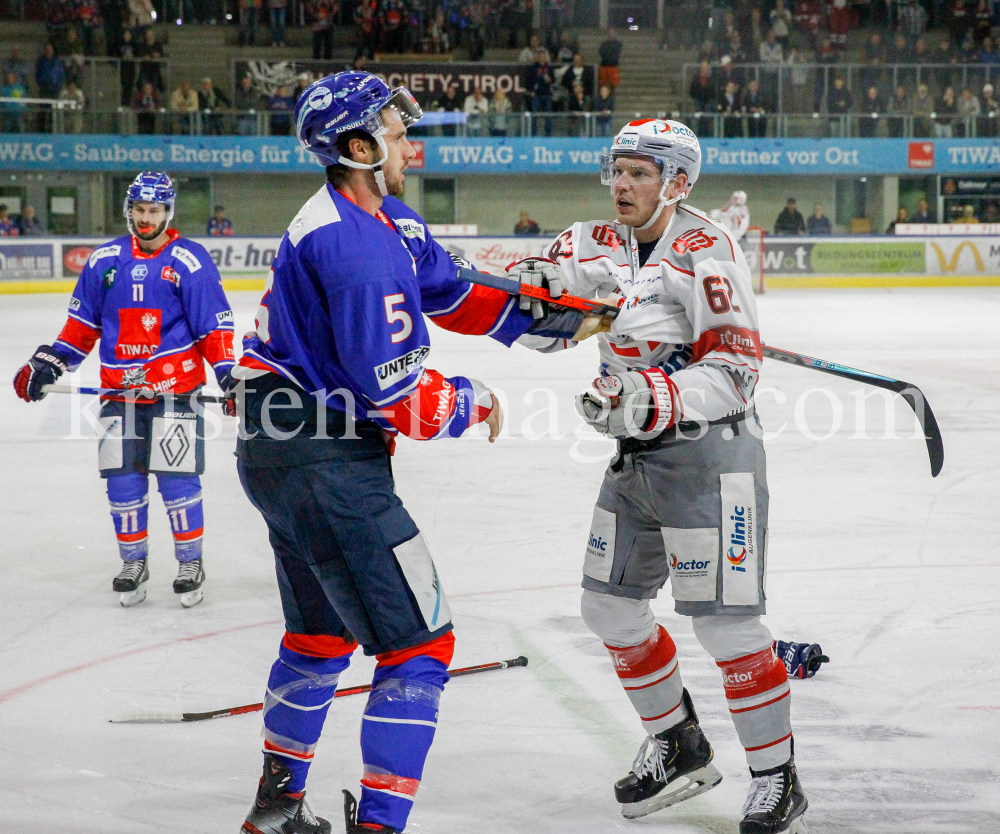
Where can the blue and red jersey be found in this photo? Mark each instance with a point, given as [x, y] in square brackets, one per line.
[158, 316]
[219, 228]
[343, 311]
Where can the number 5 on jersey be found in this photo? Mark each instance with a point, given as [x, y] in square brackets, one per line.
[392, 316]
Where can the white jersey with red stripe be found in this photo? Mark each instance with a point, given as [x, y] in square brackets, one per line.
[737, 219]
[689, 310]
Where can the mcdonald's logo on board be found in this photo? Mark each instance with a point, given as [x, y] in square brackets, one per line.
[951, 265]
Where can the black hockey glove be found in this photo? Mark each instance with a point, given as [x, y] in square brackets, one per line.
[44, 368]
[227, 384]
[802, 660]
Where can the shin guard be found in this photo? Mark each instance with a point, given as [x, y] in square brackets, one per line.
[759, 700]
[652, 681]
[129, 498]
[182, 499]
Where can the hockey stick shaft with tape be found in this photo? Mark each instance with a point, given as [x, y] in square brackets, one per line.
[137, 394]
[914, 396]
[179, 717]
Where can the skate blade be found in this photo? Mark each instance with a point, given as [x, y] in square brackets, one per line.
[685, 787]
[130, 598]
[192, 598]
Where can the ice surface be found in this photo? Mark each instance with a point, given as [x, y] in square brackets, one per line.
[893, 572]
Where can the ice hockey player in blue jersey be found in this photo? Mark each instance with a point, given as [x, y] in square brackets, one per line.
[154, 301]
[335, 370]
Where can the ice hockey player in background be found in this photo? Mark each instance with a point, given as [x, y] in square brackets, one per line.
[341, 338]
[155, 302]
[734, 215]
[686, 496]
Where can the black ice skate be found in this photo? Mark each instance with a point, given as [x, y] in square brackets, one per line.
[355, 827]
[672, 766]
[776, 802]
[131, 582]
[277, 812]
[190, 575]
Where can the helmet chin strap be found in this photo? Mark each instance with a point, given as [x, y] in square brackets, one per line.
[661, 205]
[375, 167]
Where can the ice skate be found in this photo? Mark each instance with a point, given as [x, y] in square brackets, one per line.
[671, 766]
[355, 827]
[190, 576]
[275, 811]
[776, 803]
[131, 582]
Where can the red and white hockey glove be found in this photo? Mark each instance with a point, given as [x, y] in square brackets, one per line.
[538, 272]
[633, 404]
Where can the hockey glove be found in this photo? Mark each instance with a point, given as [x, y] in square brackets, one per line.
[44, 368]
[633, 404]
[538, 272]
[802, 660]
[226, 382]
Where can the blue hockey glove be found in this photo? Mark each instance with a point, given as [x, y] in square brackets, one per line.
[44, 368]
[802, 660]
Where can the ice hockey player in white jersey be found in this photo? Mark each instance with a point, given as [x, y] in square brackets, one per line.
[686, 496]
[734, 215]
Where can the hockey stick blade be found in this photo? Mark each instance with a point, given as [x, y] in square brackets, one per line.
[137, 394]
[184, 717]
[913, 395]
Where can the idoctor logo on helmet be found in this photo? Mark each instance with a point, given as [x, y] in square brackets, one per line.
[320, 98]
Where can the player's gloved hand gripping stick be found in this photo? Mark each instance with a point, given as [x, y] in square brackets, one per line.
[913, 395]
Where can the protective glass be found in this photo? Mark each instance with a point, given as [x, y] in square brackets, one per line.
[609, 175]
[403, 102]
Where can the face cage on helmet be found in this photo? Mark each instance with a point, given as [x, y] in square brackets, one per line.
[127, 211]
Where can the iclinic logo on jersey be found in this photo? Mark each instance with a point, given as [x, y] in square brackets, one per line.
[320, 98]
[737, 552]
[139, 272]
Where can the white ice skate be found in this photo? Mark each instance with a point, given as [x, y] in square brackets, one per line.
[131, 582]
[190, 576]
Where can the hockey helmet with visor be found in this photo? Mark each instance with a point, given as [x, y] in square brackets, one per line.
[348, 101]
[672, 144]
[150, 187]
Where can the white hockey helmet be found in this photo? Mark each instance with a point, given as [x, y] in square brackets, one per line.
[739, 198]
[672, 144]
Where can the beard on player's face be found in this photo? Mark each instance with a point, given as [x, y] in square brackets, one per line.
[147, 231]
[147, 223]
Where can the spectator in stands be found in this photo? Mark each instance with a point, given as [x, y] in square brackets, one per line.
[525, 227]
[840, 24]
[212, 98]
[529, 54]
[725, 73]
[57, 17]
[604, 104]
[945, 108]
[987, 53]
[982, 21]
[825, 56]
[911, 18]
[899, 50]
[249, 15]
[807, 16]
[146, 102]
[151, 67]
[73, 114]
[772, 55]
[610, 51]
[706, 52]
[818, 223]
[899, 107]
[968, 214]
[790, 221]
[967, 108]
[922, 107]
[218, 224]
[871, 109]
[449, 103]
[246, 100]
[967, 50]
[902, 216]
[72, 56]
[703, 90]
[184, 103]
[539, 84]
[476, 108]
[50, 73]
[757, 30]
[499, 110]
[127, 67]
[943, 54]
[113, 13]
[781, 23]
[924, 213]
[567, 49]
[579, 102]
[729, 106]
[921, 52]
[961, 21]
[281, 105]
[986, 125]
[796, 95]
[991, 214]
[875, 57]
[735, 49]
[19, 66]
[839, 105]
[320, 14]
[577, 73]
[29, 226]
[140, 16]
[11, 113]
[278, 12]
[755, 107]
[8, 228]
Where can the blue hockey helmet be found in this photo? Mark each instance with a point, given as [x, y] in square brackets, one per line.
[350, 101]
[150, 187]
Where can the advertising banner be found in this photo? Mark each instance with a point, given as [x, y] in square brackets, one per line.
[24, 261]
[494, 254]
[963, 256]
[843, 256]
[472, 155]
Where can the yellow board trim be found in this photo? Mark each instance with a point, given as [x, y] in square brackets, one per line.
[22, 287]
[786, 282]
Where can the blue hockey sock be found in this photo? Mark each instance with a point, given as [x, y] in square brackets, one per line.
[182, 499]
[299, 691]
[129, 499]
[396, 734]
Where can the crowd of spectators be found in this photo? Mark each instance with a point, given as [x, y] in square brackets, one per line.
[933, 60]
[24, 225]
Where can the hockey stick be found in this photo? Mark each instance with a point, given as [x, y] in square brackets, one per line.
[136, 393]
[179, 717]
[913, 396]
